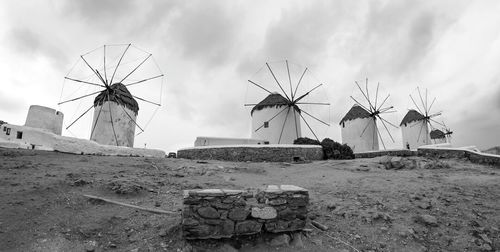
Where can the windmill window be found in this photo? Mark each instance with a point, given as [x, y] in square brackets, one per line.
[266, 124]
[7, 131]
[4, 128]
[266, 142]
[19, 135]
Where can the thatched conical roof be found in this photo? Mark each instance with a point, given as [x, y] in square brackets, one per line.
[411, 116]
[437, 134]
[119, 94]
[354, 113]
[272, 100]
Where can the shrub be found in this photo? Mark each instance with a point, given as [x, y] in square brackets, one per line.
[335, 150]
[306, 141]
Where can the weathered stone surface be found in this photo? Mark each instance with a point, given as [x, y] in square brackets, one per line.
[227, 227]
[265, 213]
[292, 188]
[280, 240]
[299, 201]
[427, 219]
[238, 213]
[253, 153]
[276, 202]
[206, 192]
[248, 227]
[190, 222]
[198, 231]
[287, 214]
[221, 213]
[208, 212]
[281, 226]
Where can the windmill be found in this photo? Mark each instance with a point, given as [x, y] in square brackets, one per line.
[110, 80]
[447, 132]
[416, 123]
[293, 93]
[359, 125]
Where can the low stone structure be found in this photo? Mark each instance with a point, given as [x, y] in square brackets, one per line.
[222, 213]
[372, 154]
[465, 152]
[255, 153]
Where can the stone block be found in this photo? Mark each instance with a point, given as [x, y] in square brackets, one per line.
[238, 213]
[248, 227]
[276, 202]
[208, 212]
[265, 213]
[222, 213]
[207, 192]
[292, 188]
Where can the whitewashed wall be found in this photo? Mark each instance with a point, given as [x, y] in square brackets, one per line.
[410, 134]
[42, 139]
[351, 134]
[211, 141]
[45, 118]
[124, 127]
[272, 133]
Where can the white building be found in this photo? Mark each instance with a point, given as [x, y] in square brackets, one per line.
[352, 126]
[45, 135]
[115, 113]
[45, 118]
[437, 136]
[415, 131]
[284, 128]
[41, 124]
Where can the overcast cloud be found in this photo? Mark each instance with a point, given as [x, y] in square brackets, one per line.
[208, 50]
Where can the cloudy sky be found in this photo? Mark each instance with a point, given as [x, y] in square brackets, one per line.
[209, 49]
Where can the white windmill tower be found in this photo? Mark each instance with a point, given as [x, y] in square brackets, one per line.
[416, 125]
[359, 126]
[277, 118]
[110, 79]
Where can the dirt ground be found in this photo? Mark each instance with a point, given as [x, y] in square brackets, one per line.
[454, 206]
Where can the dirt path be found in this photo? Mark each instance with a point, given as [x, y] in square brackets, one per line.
[366, 206]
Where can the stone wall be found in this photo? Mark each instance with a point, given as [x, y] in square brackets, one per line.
[475, 157]
[372, 154]
[255, 153]
[221, 213]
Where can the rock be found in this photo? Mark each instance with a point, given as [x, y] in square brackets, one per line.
[276, 202]
[280, 240]
[363, 168]
[427, 219]
[90, 245]
[208, 212]
[238, 213]
[198, 231]
[227, 228]
[486, 247]
[397, 163]
[226, 248]
[264, 213]
[297, 240]
[318, 242]
[248, 227]
[424, 204]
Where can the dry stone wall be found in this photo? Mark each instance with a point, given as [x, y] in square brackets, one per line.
[475, 157]
[222, 213]
[269, 153]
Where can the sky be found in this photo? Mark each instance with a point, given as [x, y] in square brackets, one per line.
[209, 49]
